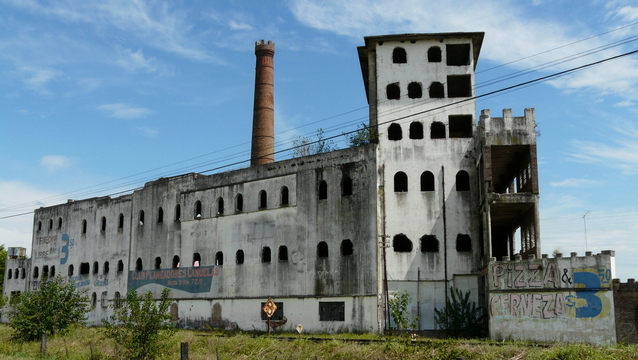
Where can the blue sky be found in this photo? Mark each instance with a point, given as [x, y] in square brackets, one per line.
[98, 97]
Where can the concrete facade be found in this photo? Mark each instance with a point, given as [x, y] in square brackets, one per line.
[626, 310]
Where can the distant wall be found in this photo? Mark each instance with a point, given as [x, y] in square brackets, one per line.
[626, 311]
[549, 300]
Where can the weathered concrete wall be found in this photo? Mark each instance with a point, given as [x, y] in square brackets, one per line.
[548, 300]
[626, 311]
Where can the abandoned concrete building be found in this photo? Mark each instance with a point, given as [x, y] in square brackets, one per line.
[435, 201]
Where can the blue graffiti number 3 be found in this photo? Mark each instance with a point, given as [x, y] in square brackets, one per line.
[594, 303]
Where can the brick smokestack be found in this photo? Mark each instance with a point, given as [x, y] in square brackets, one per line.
[263, 141]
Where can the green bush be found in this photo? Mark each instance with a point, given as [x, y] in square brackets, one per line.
[399, 311]
[460, 317]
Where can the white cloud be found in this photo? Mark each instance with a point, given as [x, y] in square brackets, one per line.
[36, 79]
[124, 111]
[235, 25]
[55, 162]
[622, 155]
[135, 61]
[575, 183]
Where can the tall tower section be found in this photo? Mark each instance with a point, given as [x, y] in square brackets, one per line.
[263, 138]
[420, 89]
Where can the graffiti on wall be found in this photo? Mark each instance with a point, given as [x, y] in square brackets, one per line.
[68, 244]
[189, 279]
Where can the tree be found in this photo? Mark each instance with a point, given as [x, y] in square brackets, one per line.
[3, 265]
[399, 311]
[141, 325]
[304, 145]
[460, 317]
[364, 135]
[51, 309]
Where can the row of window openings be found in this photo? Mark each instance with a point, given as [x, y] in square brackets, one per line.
[429, 243]
[85, 268]
[456, 55]
[328, 311]
[104, 300]
[50, 224]
[266, 255]
[427, 181]
[457, 86]
[461, 126]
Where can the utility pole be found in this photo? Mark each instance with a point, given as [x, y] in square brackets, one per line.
[585, 222]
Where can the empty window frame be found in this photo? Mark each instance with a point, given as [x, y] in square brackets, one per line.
[437, 130]
[284, 196]
[463, 242]
[459, 86]
[93, 299]
[415, 90]
[138, 264]
[103, 224]
[117, 298]
[17, 272]
[197, 260]
[323, 190]
[158, 263]
[282, 253]
[346, 247]
[278, 315]
[45, 271]
[105, 267]
[462, 181]
[434, 54]
[178, 212]
[429, 243]
[120, 266]
[9, 274]
[52, 272]
[265, 254]
[59, 223]
[322, 249]
[50, 224]
[39, 225]
[460, 126]
[393, 91]
[263, 199]
[23, 273]
[83, 226]
[399, 56]
[436, 90]
[96, 267]
[239, 257]
[401, 243]
[85, 268]
[219, 258]
[239, 203]
[36, 272]
[394, 132]
[220, 206]
[427, 181]
[400, 182]
[198, 210]
[176, 263]
[416, 130]
[332, 311]
[104, 302]
[457, 54]
[141, 217]
[160, 215]
[346, 186]
[120, 222]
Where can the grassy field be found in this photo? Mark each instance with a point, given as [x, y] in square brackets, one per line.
[88, 343]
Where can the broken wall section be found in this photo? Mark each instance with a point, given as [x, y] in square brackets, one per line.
[626, 310]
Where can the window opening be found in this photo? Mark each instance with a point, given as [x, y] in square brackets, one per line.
[283, 253]
[346, 247]
[459, 86]
[263, 199]
[462, 181]
[36, 272]
[85, 268]
[117, 300]
[141, 217]
[393, 92]
[104, 300]
[103, 224]
[93, 299]
[401, 243]
[436, 91]
[198, 210]
[416, 130]
[105, 267]
[10, 274]
[265, 254]
[52, 273]
[96, 267]
[460, 126]
[178, 212]
[120, 266]
[322, 249]
[332, 311]
[138, 264]
[277, 316]
[400, 182]
[176, 262]
[399, 56]
[45, 271]
[160, 215]
[60, 223]
[239, 203]
[197, 260]
[83, 226]
[284, 196]
[219, 258]
[395, 132]
[50, 224]
[429, 243]
[463, 242]
[434, 54]
[39, 225]
[158, 263]
[427, 181]
[437, 130]
[415, 91]
[17, 272]
[346, 186]
[323, 190]
[457, 54]
[23, 273]
[220, 206]
[239, 257]
[120, 223]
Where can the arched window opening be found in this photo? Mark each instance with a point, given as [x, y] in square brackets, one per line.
[96, 267]
[120, 222]
[400, 182]
[105, 267]
[197, 260]
[36, 272]
[103, 224]
[434, 54]
[17, 273]
[160, 215]
[416, 130]
[399, 56]
[427, 181]
[265, 254]
[23, 273]
[176, 263]
[436, 91]
[283, 253]
[263, 199]
[117, 300]
[401, 243]
[346, 247]
[85, 268]
[120, 266]
[429, 243]
[463, 242]
[322, 249]
[93, 299]
[394, 132]
[219, 258]
[239, 257]
[437, 130]
[415, 91]
[45, 271]
[52, 273]
[323, 190]
[83, 226]
[60, 223]
[158, 263]
[39, 225]
[239, 203]
[346, 186]
[50, 224]
[178, 212]
[138, 264]
[198, 210]
[9, 274]
[220, 206]
[393, 92]
[141, 217]
[462, 181]
[284, 196]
